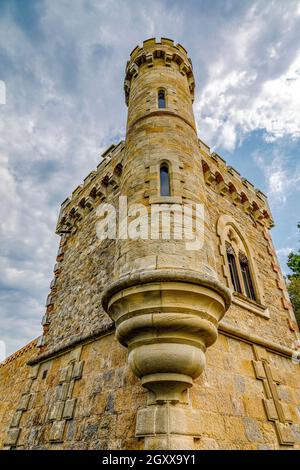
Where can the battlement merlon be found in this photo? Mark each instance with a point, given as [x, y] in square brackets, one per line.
[94, 186]
[160, 53]
[93, 190]
[229, 182]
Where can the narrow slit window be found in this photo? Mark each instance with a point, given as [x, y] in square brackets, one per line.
[248, 284]
[161, 99]
[233, 270]
[164, 180]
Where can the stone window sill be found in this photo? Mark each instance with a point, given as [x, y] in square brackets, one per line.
[250, 305]
[165, 200]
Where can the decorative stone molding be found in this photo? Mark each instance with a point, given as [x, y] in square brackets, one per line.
[63, 407]
[167, 319]
[14, 430]
[251, 306]
[276, 411]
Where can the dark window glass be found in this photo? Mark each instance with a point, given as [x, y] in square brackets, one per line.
[233, 271]
[249, 289]
[164, 180]
[161, 99]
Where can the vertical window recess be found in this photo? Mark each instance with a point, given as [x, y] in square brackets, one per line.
[161, 99]
[233, 270]
[164, 180]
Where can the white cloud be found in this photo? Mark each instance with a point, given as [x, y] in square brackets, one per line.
[258, 87]
[281, 179]
[285, 251]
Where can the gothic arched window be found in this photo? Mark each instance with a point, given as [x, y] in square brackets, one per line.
[239, 269]
[234, 275]
[239, 266]
[165, 189]
[161, 98]
[248, 284]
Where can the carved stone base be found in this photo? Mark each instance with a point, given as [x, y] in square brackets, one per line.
[167, 319]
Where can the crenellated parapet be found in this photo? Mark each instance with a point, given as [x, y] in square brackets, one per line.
[163, 53]
[96, 188]
[228, 182]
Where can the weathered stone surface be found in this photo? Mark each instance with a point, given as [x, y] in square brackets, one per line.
[86, 396]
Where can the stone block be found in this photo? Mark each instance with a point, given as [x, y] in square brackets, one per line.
[33, 371]
[24, 402]
[285, 434]
[259, 370]
[254, 407]
[57, 431]
[252, 430]
[27, 386]
[260, 353]
[66, 373]
[16, 419]
[77, 370]
[56, 411]
[75, 354]
[163, 420]
[61, 391]
[287, 412]
[12, 437]
[169, 442]
[234, 429]
[277, 375]
[69, 408]
[270, 410]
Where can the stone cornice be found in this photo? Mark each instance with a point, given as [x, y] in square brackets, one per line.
[224, 329]
[160, 112]
[250, 338]
[59, 350]
[166, 275]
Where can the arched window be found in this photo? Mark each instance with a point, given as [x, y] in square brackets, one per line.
[239, 266]
[161, 98]
[240, 274]
[234, 275]
[165, 189]
[248, 284]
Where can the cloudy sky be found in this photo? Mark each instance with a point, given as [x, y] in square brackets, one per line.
[62, 62]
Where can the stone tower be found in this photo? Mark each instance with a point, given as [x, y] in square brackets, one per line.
[166, 300]
[174, 330]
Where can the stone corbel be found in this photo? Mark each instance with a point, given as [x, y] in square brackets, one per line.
[183, 69]
[222, 188]
[236, 198]
[167, 319]
[149, 59]
[134, 70]
[168, 59]
[258, 215]
[209, 177]
[89, 203]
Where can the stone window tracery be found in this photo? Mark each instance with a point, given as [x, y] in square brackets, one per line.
[239, 266]
[231, 259]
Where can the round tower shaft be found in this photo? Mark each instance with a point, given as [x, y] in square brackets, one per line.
[165, 299]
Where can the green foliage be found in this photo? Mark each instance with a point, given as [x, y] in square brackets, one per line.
[293, 283]
[294, 293]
